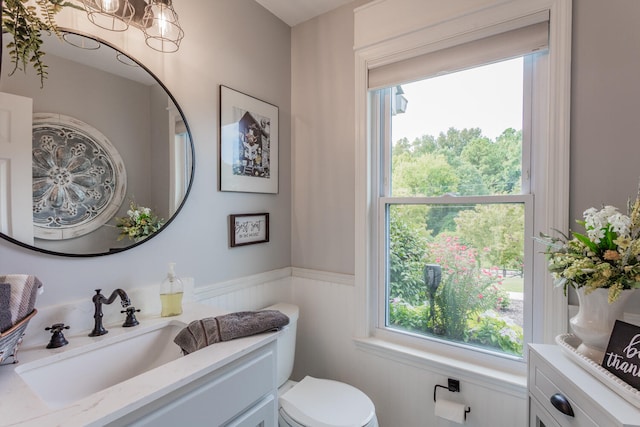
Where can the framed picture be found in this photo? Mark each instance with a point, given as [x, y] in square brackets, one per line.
[247, 229]
[248, 143]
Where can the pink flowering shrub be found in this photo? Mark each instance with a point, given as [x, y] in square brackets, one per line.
[465, 289]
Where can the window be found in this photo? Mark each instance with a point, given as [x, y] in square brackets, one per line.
[453, 206]
[461, 189]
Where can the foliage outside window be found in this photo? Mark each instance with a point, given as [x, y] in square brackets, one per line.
[453, 203]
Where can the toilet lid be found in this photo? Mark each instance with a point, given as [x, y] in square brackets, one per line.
[325, 403]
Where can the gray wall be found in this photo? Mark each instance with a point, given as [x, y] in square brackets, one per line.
[232, 42]
[323, 154]
[605, 103]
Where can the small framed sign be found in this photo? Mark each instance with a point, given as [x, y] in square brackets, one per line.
[248, 229]
[622, 358]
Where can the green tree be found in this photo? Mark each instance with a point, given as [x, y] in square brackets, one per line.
[424, 175]
[406, 262]
[402, 146]
[499, 162]
[424, 144]
[452, 143]
[471, 180]
[414, 217]
[510, 143]
[463, 163]
[497, 231]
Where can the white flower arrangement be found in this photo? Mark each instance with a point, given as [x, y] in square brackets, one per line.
[139, 223]
[607, 256]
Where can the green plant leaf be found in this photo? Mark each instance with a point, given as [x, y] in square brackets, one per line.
[585, 240]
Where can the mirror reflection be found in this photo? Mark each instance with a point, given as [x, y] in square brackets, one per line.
[98, 160]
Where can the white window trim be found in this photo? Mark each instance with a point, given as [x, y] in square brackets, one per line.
[550, 184]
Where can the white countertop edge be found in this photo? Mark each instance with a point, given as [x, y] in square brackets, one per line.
[20, 406]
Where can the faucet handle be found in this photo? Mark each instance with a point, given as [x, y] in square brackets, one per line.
[131, 317]
[57, 338]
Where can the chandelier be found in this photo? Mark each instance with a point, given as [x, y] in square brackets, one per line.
[155, 18]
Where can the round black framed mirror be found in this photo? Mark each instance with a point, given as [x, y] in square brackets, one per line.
[107, 161]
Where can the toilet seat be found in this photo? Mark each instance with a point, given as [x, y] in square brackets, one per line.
[317, 402]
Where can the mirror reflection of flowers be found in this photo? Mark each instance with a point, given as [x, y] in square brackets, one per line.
[139, 223]
[606, 256]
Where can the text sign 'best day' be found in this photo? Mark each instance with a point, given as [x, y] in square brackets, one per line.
[622, 358]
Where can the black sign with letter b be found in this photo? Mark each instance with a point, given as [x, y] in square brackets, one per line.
[623, 353]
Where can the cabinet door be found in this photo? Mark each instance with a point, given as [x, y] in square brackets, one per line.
[538, 416]
[240, 388]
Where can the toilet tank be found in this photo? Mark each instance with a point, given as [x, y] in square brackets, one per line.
[286, 341]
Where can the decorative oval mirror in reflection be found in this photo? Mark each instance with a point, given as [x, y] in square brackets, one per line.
[98, 160]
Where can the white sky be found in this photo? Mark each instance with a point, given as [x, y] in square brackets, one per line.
[456, 100]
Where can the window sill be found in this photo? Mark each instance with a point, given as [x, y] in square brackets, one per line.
[513, 383]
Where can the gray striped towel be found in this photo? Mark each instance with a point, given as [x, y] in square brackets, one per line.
[210, 330]
[18, 293]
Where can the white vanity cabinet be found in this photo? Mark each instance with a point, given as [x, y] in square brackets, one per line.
[554, 377]
[241, 394]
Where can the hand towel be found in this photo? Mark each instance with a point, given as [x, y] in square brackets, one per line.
[201, 333]
[245, 323]
[22, 299]
[198, 334]
[5, 310]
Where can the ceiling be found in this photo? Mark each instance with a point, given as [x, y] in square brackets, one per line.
[294, 12]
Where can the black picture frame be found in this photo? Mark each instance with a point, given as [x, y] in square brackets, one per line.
[248, 151]
[248, 229]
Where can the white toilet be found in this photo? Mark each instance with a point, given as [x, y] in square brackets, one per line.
[315, 402]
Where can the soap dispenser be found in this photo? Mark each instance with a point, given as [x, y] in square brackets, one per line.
[171, 292]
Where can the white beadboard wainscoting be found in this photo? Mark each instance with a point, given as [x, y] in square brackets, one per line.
[248, 293]
[400, 384]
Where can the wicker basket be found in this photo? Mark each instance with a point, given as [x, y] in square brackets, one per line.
[11, 339]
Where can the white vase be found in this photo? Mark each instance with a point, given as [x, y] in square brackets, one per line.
[595, 319]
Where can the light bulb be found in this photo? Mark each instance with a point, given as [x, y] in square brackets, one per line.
[110, 6]
[163, 27]
[164, 24]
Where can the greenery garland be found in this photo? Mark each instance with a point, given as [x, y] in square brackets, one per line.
[25, 22]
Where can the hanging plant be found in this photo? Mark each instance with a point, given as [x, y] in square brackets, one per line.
[25, 22]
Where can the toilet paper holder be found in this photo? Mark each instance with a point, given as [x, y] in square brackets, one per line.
[452, 386]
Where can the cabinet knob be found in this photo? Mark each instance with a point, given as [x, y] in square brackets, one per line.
[561, 404]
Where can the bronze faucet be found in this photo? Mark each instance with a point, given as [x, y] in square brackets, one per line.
[99, 299]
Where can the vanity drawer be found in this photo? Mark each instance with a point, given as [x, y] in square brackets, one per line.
[543, 389]
[538, 416]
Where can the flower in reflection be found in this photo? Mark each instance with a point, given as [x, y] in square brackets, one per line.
[139, 223]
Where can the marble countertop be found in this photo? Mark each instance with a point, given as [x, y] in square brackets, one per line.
[21, 406]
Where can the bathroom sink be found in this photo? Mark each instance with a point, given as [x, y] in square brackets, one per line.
[64, 378]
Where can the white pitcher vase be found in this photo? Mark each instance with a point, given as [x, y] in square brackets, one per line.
[595, 319]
